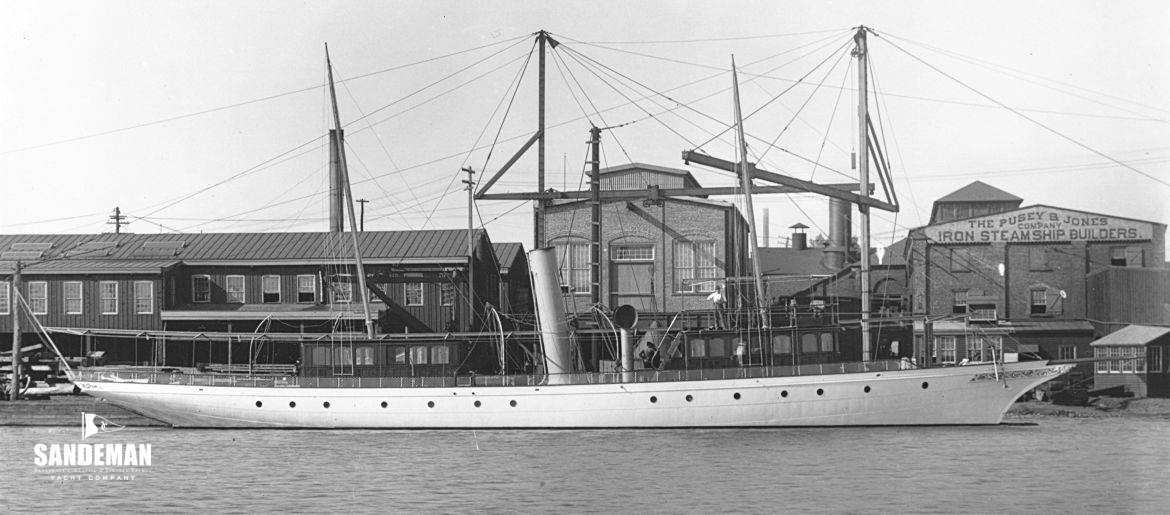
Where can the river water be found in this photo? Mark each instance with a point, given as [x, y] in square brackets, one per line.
[1106, 465]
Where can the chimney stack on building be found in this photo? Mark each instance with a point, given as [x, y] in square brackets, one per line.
[799, 238]
[767, 240]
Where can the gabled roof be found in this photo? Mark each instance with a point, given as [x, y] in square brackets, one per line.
[979, 191]
[688, 179]
[508, 253]
[138, 251]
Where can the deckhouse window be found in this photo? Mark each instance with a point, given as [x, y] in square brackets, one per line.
[108, 290]
[365, 356]
[235, 289]
[38, 297]
[573, 260]
[5, 298]
[698, 348]
[440, 355]
[270, 285]
[73, 305]
[782, 344]
[693, 262]
[201, 288]
[143, 297]
[418, 355]
[984, 348]
[306, 288]
[413, 294]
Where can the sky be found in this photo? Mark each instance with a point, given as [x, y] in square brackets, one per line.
[209, 116]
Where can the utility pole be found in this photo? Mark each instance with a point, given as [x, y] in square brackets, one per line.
[470, 182]
[117, 220]
[15, 306]
[363, 201]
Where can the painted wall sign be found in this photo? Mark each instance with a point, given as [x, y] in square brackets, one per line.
[1039, 224]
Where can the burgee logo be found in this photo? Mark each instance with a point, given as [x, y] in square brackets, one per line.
[90, 425]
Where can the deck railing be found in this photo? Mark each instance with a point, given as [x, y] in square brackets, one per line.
[636, 376]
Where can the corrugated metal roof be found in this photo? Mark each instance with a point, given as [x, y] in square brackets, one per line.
[507, 252]
[1133, 335]
[131, 251]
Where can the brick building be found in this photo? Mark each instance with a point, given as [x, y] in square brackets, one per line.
[1005, 279]
[660, 257]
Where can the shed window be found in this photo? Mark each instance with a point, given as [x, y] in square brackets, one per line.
[5, 298]
[1126, 256]
[341, 290]
[945, 348]
[306, 288]
[413, 293]
[631, 252]
[38, 297]
[109, 297]
[573, 261]
[201, 288]
[984, 348]
[1067, 352]
[235, 289]
[1155, 358]
[270, 285]
[1039, 302]
[143, 297]
[440, 355]
[694, 261]
[73, 304]
[447, 293]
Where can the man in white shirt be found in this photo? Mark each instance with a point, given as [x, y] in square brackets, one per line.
[720, 304]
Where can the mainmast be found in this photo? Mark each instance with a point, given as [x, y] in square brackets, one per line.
[361, 269]
[746, 180]
[863, 170]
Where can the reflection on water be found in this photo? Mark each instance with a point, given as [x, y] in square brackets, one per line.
[1071, 465]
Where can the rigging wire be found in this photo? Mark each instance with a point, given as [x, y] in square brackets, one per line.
[1029, 118]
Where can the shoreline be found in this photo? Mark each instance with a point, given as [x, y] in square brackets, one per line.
[1099, 407]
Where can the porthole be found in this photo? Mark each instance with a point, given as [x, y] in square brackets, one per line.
[292, 404]
[384, 404]
[690, 398]
[653, 399]
[326, 404]
[430, 404]
[477, 404]
[866, 389]
[820, 391]
[736, 396]
[512, 404]
[258, 404]
[925, 385]
[784, 393]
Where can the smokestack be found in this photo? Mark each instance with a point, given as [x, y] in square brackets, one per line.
[799, 238]
[336, 188]
[550, 313]
[767, 240]
[840, 227]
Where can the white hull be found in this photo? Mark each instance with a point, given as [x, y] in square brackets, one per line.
[952, 395]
